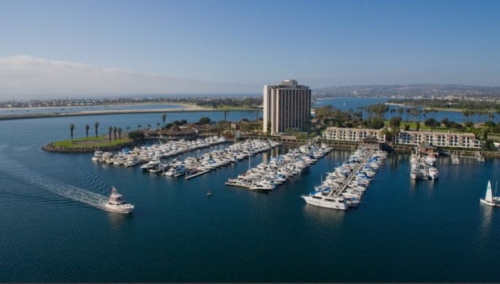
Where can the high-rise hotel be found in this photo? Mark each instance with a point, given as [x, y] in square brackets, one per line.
[286, 106]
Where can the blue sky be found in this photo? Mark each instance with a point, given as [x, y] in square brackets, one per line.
[188, 46]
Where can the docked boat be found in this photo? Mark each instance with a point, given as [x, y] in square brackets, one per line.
[488, 198]
[262, 185]
[116, 203]
[433, 173]
[317, 199]
[176, 171]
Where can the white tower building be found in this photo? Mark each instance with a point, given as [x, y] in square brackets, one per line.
[286, 106]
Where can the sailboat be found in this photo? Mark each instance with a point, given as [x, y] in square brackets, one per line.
[488, 199]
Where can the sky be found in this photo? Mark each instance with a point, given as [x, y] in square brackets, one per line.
[70, 48]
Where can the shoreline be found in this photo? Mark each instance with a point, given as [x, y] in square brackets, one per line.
[101, 112]
[183, 108]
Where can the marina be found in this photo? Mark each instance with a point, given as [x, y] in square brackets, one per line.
[43, 194]
[344, 187]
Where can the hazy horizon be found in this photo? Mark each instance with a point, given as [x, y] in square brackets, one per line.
[93, 48]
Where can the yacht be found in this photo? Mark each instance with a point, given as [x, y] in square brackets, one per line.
[97, 156]
[317, 199]
[433, 173]
[262, 185]
[132, 160]
[176, 171]
[116, 203]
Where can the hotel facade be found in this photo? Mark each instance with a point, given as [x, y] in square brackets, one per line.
[353, 134]
[286, 106]
[438, 139]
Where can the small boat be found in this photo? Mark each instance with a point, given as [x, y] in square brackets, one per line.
[433, 173]
[209, 193]
[488, 199]
[116, 203]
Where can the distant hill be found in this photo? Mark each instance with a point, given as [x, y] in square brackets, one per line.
[415, 90]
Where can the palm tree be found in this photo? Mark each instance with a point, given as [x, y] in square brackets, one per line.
[96, 125]
[158, 125]
[115, 129]
[71, 128]
[164, 118]
[128, 128]
[110, 129]
[87, 127]
[120, 133]
[139, 126]
[225, 113]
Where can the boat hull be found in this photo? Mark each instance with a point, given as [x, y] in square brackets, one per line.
[489, 203]
[119, 209]
[324, 204]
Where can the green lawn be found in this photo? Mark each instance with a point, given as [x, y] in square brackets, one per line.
[423, 127]
[90, 142]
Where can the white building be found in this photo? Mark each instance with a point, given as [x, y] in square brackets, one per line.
[286, 106]
[438, 139]
[353, 134]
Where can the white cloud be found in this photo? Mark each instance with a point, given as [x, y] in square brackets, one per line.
[25, 77]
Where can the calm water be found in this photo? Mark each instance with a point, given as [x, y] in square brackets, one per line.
[402, 231]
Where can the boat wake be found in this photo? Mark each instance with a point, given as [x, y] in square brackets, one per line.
[29, 176]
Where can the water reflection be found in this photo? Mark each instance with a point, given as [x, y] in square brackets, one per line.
[117, 220]
[486, 215]
[325, 216]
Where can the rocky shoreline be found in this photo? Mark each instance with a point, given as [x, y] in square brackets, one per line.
[85, 150]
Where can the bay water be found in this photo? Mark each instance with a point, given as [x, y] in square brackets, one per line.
[424, 231]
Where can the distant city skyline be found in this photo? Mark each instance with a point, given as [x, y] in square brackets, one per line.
[53, 48]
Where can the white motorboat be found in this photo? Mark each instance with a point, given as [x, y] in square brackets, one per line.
[97, 156]
[430, 160]
[433, 173]
[116, 203]
[319, 200]
[488, 199]
[176, 171]
[262, 185]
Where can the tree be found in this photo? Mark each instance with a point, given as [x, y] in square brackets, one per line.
[164, 118]
[158, 125]
[128, 128]
[87, 127]
[110, 129]
[136, 135]
[485, 134]
[96, 126]
[71, 129]
[417, 127]
[115, 129]
[395, 121]
[205, 120]
[139, 126]
[120, 133]
[489, 123]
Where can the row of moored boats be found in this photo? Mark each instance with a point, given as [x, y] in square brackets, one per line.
[423, 167]
[140, 155]
[279, 169]
[344, 187]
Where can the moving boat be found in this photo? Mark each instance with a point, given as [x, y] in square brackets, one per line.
[488, 199]
[116, 203]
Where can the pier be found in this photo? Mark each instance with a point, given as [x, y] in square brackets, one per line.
[335, 193]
